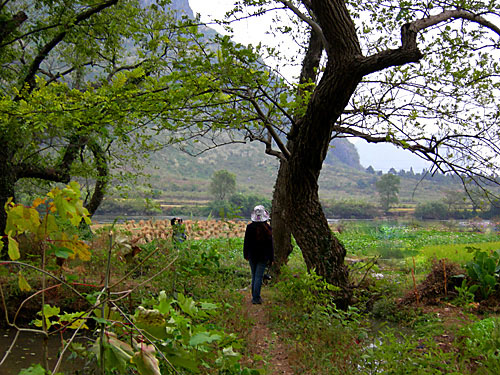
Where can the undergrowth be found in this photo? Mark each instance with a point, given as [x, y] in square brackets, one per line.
[202, 287]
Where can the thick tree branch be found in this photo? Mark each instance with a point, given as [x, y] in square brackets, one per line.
[9, 26]
[58, 173]
[43, 53]
[270, 129]
[424, 23]
[409, 52]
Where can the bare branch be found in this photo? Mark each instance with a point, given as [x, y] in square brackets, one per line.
[409, 52]
[306, 19]
[424, 23]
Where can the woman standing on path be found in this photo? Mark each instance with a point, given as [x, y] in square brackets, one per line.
[258, 248]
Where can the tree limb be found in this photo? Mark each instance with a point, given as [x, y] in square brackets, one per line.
[306, 19]
[409, 52]
[45, 50]
[267, 125]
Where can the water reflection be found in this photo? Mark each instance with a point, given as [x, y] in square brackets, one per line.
[28, 351]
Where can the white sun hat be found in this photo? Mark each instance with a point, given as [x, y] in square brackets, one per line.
[259, 214]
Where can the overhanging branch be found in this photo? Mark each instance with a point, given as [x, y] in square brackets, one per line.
[45, 50]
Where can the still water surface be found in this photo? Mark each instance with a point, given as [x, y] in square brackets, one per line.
[28, 351]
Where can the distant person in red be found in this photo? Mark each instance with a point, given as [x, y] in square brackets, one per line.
[258, 249]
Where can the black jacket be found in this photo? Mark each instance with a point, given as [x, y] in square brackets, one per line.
[258, 243]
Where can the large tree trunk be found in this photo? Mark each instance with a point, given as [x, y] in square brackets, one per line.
[321, 250]
[102, 177]
[281, 232]
[8, 180]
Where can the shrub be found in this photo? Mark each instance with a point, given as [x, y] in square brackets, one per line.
[347, 209]
[431, 211]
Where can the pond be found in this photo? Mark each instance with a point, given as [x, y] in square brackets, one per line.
[28, 351]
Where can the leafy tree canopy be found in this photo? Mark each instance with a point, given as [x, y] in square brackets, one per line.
[222, 184]
[388, 189]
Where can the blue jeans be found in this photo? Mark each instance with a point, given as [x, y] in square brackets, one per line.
[258, 269]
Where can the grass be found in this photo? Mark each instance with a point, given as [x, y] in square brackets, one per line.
[456, 252]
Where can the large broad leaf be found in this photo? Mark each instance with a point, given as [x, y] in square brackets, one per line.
[489, 280]
[145, 361]
[74, 320]
[151, 321]
[164, 305]
[187, 305]
[117, 354]
[62, 252]
[47, 227]
[21, 219]
[77, 246]
[203, 338]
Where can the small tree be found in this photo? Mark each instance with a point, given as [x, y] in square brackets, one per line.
[388, 190]
[222, 184]
[454, 200]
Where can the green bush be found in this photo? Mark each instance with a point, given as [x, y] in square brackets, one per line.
[484, 269]
[431, 211]
[134, 206]
[347, 209]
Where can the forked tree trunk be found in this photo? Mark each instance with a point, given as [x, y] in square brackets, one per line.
[303, 213]
[281, 232]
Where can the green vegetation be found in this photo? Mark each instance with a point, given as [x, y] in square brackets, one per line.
[388, 190]
[184, 309]
[222, 184]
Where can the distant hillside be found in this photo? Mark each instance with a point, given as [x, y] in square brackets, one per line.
[178, 174]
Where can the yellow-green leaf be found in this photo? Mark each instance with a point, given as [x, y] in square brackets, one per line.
[23, 283]
[13, 249]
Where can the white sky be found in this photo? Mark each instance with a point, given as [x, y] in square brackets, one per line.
[249, 31]
[209, 9]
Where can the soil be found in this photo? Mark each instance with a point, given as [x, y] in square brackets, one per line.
[265, 346]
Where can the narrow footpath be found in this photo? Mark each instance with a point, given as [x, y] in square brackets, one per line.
[267, 343]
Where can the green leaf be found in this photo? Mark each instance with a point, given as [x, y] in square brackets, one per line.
[203, 338]
[187, 305]
[33, 370]
[50, 311]
[62, 252]
[151, 321]
[117, 354]
[164, 306]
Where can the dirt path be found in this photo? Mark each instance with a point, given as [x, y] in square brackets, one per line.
[267, 343]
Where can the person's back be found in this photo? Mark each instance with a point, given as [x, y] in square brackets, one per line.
[258, 243]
